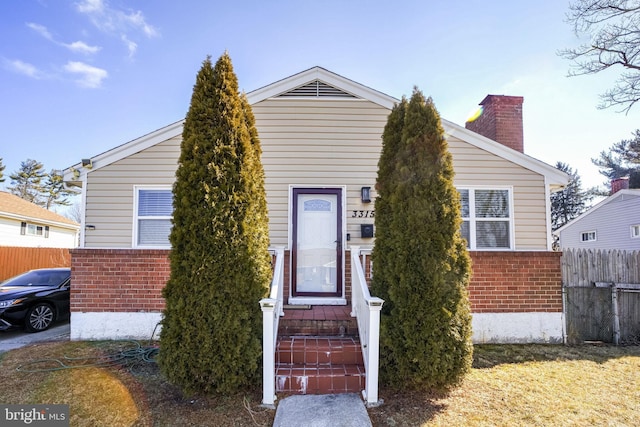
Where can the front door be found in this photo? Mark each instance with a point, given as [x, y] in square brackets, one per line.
[317, 242]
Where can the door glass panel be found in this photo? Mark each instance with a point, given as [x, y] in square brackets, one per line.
[316, 269]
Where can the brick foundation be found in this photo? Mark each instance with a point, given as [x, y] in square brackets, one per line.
[127, 280]
[118, 280]
[516, 282]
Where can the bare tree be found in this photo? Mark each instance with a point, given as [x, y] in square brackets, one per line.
[74, 212]
[614, 30]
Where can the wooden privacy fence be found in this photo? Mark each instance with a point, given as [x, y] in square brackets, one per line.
[601, 291]
[16, 260]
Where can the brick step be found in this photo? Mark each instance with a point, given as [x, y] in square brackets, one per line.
[329, 379]
[310, 327]
[318, 351]
[319, 365]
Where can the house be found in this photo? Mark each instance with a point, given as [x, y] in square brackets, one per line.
[25, 224]
[321, 140]
[614, 223]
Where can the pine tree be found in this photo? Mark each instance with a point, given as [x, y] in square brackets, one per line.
[621, 160]
[220, 265]
[569, 202]
[54, 191]
[27, 181]
[422, 268]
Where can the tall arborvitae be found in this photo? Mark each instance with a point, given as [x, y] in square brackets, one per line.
[384, 243]
[220, 265]
[421, 264]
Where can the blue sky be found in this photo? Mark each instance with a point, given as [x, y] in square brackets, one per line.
[78, 78]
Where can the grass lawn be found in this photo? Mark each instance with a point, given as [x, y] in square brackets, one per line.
[510, 385]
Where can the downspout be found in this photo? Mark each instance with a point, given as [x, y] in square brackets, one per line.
[83, 205]
[564, 314]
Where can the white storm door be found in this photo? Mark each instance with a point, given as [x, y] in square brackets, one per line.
[317, 242]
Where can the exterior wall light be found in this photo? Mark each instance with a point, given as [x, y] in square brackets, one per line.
[365, 194]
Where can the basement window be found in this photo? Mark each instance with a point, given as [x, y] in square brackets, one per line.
[487, 216]
[153, 213]
[588, 236]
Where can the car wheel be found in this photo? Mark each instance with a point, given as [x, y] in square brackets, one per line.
[39, 317]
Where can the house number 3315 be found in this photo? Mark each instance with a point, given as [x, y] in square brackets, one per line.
[363, 214]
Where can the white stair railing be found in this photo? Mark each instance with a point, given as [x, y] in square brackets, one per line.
[272, 309]
[367, 311]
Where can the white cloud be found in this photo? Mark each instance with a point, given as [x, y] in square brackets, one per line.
[24, 68]
[90, 77]
[131, 45]
[40, 29]
[114, 21]
[136, 20]
[82, 47]
[77, 46]
[90, 6]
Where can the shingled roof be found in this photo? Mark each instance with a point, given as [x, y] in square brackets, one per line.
[12, 206]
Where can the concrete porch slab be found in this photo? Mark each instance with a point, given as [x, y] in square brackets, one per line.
[328, 410]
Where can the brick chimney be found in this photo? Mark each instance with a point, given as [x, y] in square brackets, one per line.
[618, 184]
[500, 120]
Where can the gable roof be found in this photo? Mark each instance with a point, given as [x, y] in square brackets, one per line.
[322, 76]
[317, 82]
[632, 193]
[13, 207]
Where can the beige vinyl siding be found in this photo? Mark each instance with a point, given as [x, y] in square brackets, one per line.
[310, 142]
[110, 192]
[319, 142]
[478, 168]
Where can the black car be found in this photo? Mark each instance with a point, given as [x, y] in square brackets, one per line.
[35, 299]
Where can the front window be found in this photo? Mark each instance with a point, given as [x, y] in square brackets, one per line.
[154, 208]
[635, 231]
[487, 218]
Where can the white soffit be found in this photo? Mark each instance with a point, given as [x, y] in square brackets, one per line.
[125, 150]
[554, 176]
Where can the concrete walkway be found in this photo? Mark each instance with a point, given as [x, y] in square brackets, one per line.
[17, 338]
[329, 410]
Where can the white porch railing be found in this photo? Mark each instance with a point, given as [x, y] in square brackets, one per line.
[367, 310]
[272, 309]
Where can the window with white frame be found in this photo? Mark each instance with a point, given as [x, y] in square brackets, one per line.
[153, 212]
[635, 231]
[588, 236]
[28, 229]
[487, 217]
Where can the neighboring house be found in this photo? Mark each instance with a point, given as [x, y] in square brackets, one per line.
[321, 140]
[614, 223]
[25, 224]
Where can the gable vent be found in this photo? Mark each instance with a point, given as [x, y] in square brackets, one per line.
[316, 89]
